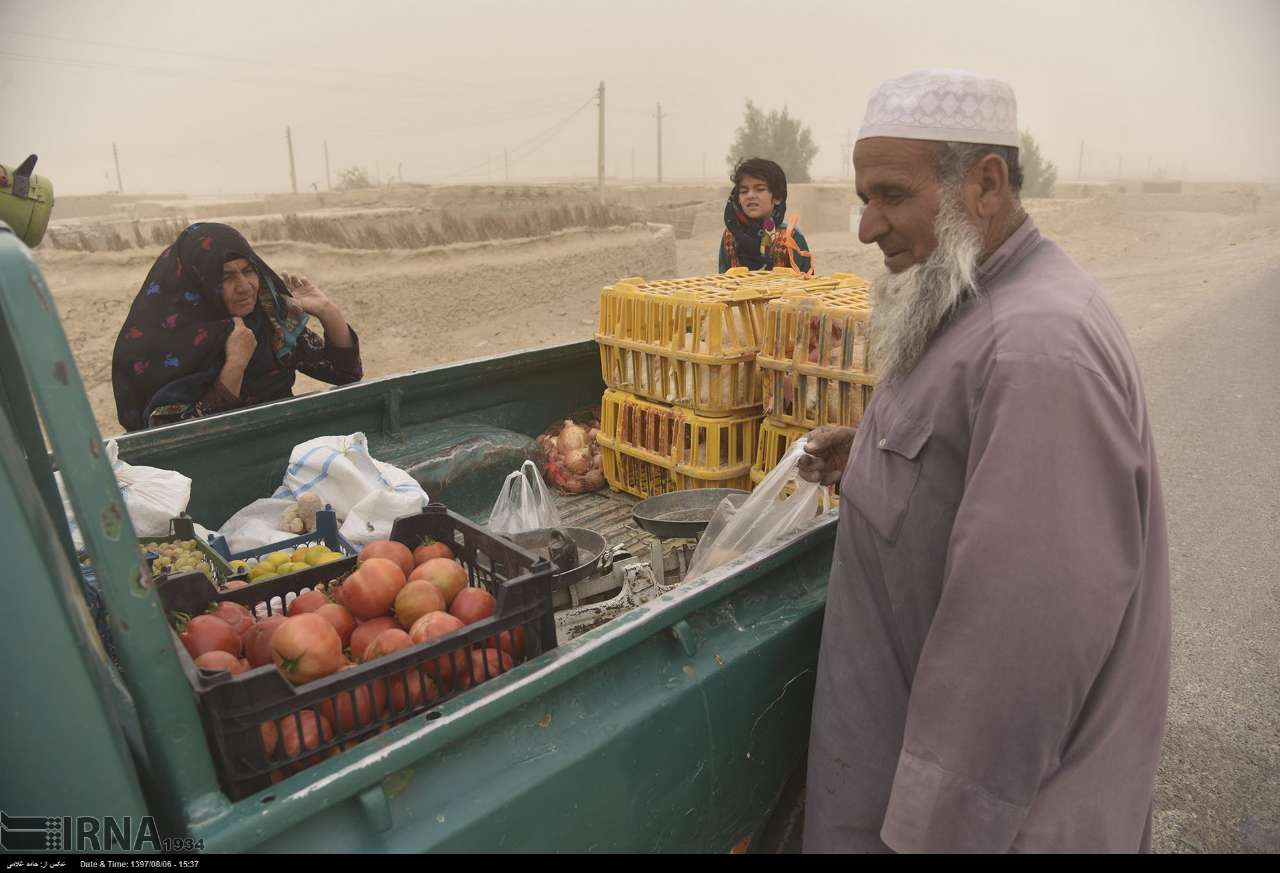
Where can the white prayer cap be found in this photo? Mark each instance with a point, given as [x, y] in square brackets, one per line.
[944, 106]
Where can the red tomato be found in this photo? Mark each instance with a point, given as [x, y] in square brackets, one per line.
[446, 574]
[257, 642]
[390, 550]
[239, 617]
[430, 549]
[207, 633]
[341, 619]
[353, 708]
[308, 601]
[387, 642]
[472, 604]
[483, 665]
[367, 631]
[415, 600]
[304, 732]
[371, 590]
[220, 660]
[306, 648]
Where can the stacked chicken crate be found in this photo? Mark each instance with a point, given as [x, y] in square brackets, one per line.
[813, 365]
[683, 409]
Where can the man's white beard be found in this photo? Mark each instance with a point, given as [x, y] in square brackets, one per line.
[909, 307]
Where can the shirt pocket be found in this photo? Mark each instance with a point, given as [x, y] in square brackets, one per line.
[885, 473]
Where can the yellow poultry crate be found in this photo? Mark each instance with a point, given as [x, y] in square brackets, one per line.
[650, 448]
[814, 363]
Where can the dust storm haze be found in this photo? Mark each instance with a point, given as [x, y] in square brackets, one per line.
[197, 96]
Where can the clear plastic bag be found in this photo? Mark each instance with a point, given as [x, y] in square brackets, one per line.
[780, 503]
[524, 503]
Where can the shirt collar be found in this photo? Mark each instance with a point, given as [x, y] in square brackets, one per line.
[1018, 244]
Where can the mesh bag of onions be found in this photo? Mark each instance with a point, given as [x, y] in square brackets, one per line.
[573, 462]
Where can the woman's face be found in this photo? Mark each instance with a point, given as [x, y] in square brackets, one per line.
[239, 287]
[755, 198]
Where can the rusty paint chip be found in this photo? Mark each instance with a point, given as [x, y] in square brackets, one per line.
[112, 521]
[546, 721]
[719, 660]
[61, 373]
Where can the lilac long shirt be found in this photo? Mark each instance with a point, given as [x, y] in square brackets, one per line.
[994, 668]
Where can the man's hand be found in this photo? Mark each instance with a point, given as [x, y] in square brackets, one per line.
[826, 453]
[240, 344]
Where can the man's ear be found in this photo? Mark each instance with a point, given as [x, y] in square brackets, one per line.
[991, 177]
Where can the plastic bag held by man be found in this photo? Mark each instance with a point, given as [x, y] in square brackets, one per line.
[767, 514]
[524, 503]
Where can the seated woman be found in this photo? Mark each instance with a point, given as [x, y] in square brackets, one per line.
[756, 235]
[213, 328]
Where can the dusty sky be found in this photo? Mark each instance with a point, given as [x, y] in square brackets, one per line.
[197, 95]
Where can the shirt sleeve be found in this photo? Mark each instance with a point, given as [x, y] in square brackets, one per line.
[326, 362]
[1044, 556]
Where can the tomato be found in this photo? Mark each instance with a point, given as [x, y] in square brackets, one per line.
[483, 665]
[355, 707]
[417, 599]
[472, 605]
[207, 633]
[432, 625]
[367, 631]
[308, 601]
[390, 550]
[341, 619]
[257, 641]
[302, 732]
[410, 689]
[306, 648]
[220, 660]
[510, 641]
[387, 642]
[446, 574]
[430, 549]
[371, 590]
[239, 617]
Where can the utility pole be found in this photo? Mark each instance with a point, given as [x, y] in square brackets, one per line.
[600, 144]
[506, 163]
[633, 163]
[846, 160]
[1119, 166]
[399, 173]
[659, 143]
[1080, 166]
[293, 177]
[328, 182]
[704, 165]
[489, 165]
[116, 154]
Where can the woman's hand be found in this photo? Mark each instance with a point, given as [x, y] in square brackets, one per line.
[315, 302]
[240, 344]
[312, 300]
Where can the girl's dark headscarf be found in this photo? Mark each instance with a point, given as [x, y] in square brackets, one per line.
[172, 346]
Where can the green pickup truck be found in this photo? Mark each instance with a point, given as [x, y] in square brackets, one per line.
[676, 725]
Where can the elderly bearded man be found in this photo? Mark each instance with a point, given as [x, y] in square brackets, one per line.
[995, 655]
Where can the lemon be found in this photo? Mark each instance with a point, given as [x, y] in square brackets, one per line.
[315, 553]
[299, 555]
[261, 570]
[238, 565]
[328, 559]
[262, 577]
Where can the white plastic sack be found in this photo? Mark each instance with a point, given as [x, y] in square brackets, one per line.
[368, 493]
[256, 525]
[152, 496]
[524, 503]
[764, 516]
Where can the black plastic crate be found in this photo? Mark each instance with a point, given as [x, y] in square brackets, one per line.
[182, 528]
[234, 708]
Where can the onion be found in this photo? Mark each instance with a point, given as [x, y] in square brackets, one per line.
[578, 461]
[572, 437]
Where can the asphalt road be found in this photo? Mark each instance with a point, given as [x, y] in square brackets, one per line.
[1206, 331]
